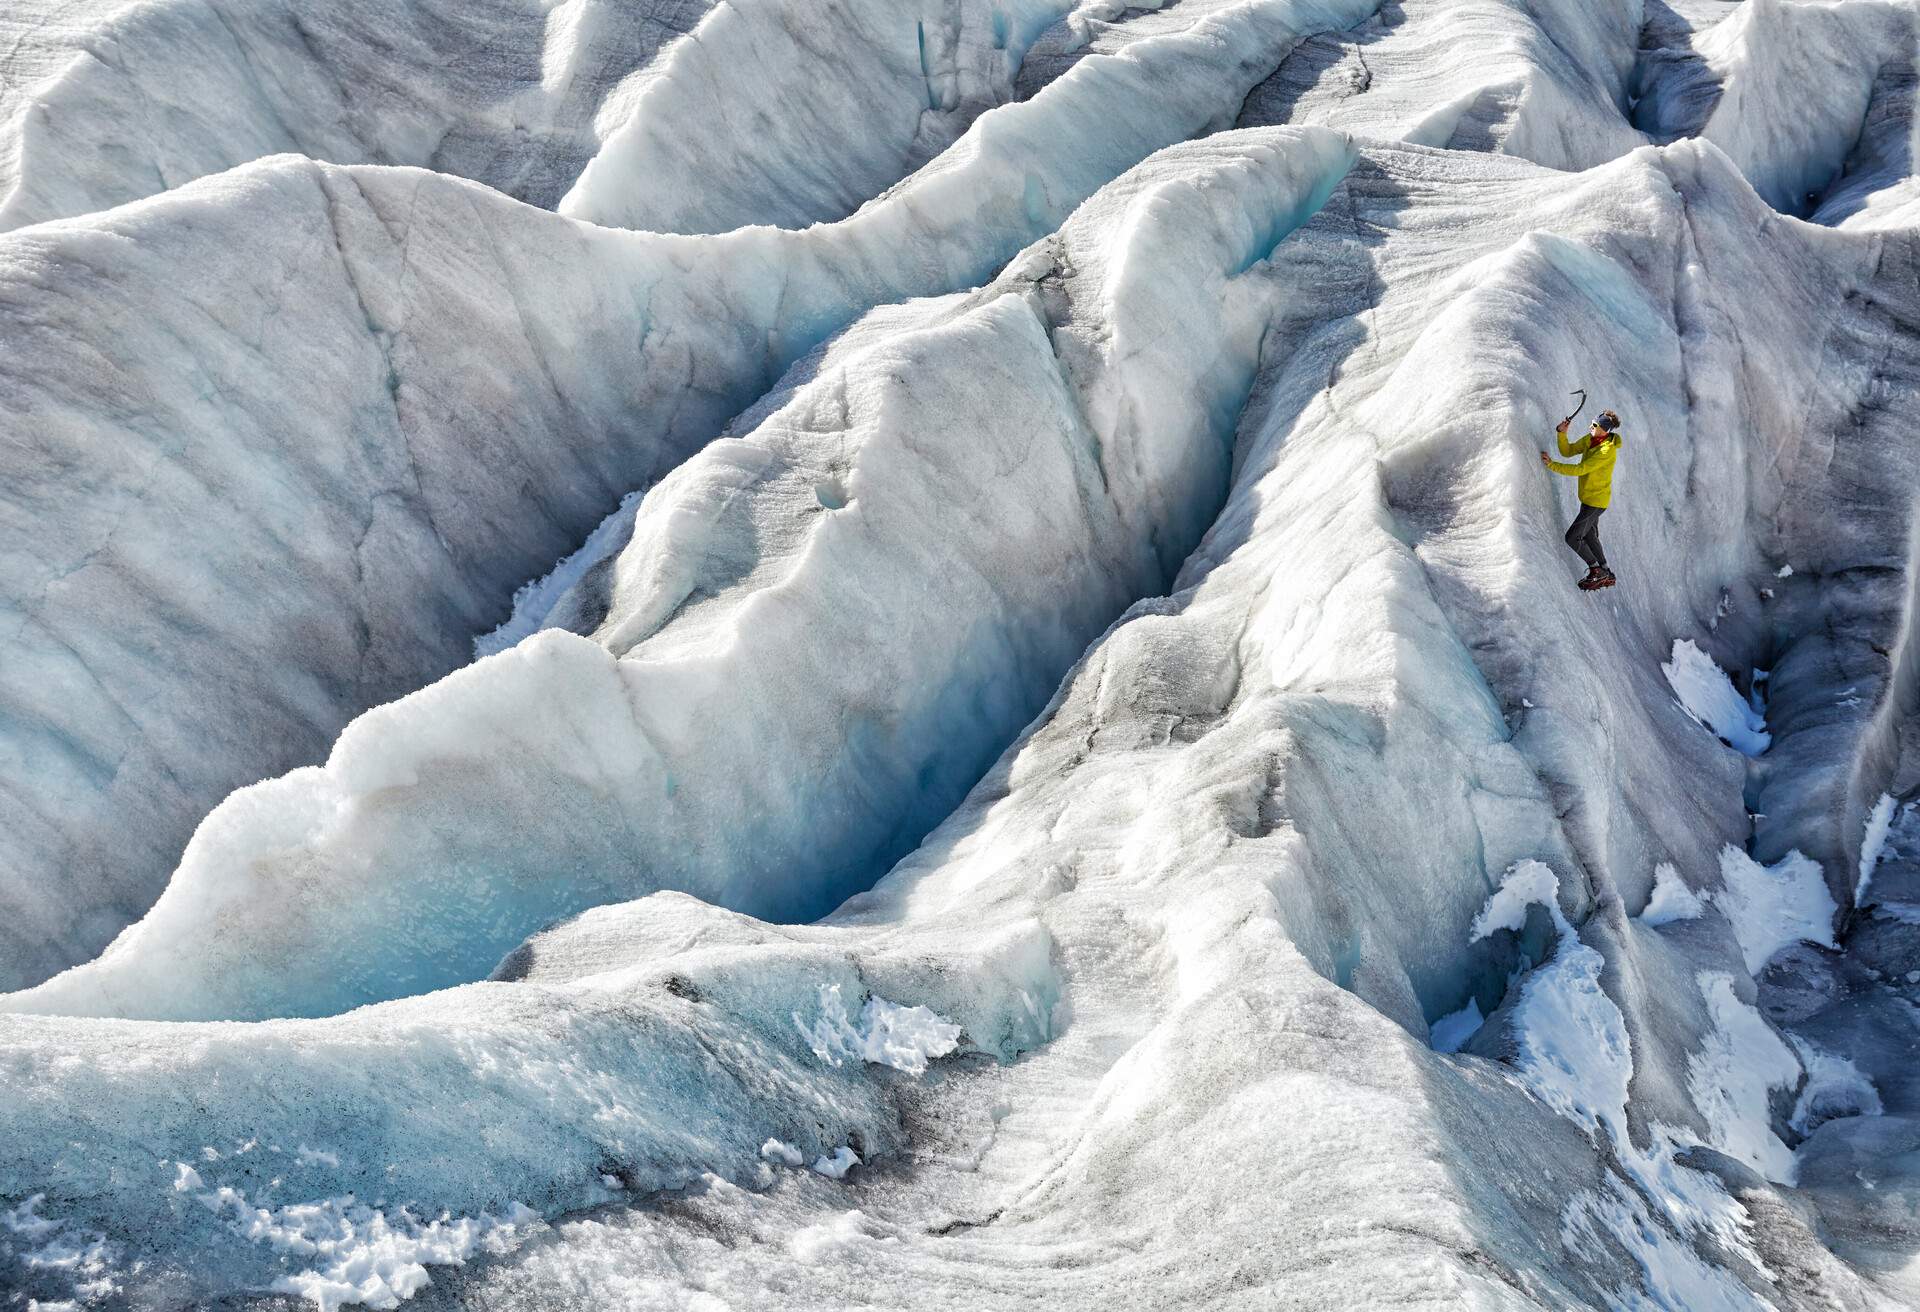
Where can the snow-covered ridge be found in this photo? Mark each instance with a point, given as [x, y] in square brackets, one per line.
[1159, 526]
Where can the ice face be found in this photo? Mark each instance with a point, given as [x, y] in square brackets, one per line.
[1086, 635]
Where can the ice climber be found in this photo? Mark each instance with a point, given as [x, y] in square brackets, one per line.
[1594, 468]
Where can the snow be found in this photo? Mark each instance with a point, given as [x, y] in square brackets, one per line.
[1672, 899]
[25, 1221]
[829, 1239]
[784, 1153]
[1575, 1054]
[1709, 697]
[1872, 845]
[1732, 1079]
[1050, 674]
[45, 1256]
[886, 1033]
[360, 1254]
[1773, 907]
[835, 1167]
[1528, 884]
[1672, 1275]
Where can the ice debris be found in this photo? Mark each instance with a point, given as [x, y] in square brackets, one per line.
[886, 1033]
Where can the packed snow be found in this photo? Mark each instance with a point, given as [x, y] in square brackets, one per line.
[1574, 1051]
[787, 655]
[1709, 697]
[886, 1033]
[1873, 845]
[1733, 1076]
[1773, 907]
[1672, 900]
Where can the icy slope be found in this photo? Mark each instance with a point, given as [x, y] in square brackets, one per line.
[296, 519]
[1348, 774]
[283, 666]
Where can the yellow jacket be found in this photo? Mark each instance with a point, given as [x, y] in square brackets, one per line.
[1595, 469]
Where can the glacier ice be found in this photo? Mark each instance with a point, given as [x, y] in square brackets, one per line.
[1032, 740]
[1749, 73]
[836, 768]
[106, 102]
[634, 348]
[906, 81]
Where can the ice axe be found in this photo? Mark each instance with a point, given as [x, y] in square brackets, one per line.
[1580, 392]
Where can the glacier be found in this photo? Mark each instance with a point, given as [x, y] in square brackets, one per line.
[792, 655]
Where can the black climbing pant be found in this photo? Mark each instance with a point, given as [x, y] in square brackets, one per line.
[1583, 535]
